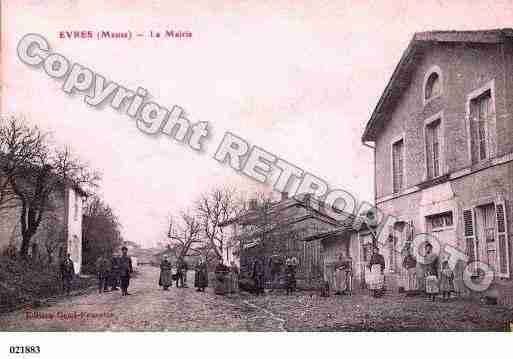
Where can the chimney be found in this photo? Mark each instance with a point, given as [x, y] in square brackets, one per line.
[284, 196]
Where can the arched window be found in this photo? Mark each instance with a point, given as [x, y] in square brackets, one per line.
[433, 86]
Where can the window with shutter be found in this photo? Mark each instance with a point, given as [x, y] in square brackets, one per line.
[470, 237]
[502, 240]
[433, 149]
[480, 114]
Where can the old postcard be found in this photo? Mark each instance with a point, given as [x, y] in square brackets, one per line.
[249, 166]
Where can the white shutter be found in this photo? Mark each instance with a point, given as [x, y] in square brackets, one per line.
[502, 240]
[469, 232]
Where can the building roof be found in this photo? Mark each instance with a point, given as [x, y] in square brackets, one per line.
[300, 200]
[401, 76]
[323, 216]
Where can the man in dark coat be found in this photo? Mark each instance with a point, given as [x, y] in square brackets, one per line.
[67, 273]
[125, 270]
[258, 276]
[102, 270]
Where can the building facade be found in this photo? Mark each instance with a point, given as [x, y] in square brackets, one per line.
[442, 134]
[59, 232]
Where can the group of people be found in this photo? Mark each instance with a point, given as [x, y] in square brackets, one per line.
[114, 272]
[278, 270]
[421, 277]
[166, 273]
[428, 277]
[226, 278]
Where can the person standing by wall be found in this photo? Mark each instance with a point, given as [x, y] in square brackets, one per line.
[102, 270]
[125, 268]
[410, 266]
[431, 263]
[67, 273]
[377, 270]
[446, 281]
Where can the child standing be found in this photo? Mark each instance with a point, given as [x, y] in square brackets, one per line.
[446, 280]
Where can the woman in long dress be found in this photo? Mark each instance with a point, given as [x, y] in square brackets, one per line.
[376, 276]
[446, 281]
[410, 266]
[166, 278]
[201, 276]
[431, 261]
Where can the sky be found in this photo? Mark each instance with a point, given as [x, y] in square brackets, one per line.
[297, 78]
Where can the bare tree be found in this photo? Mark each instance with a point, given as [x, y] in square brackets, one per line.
[185, 235]
[36, 173]
[214, 208]
[20, 144]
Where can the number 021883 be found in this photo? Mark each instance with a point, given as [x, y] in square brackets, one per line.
[24, 349]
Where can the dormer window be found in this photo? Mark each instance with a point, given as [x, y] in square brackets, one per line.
[432, 84]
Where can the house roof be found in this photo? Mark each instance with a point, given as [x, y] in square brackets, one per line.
[331, 223]
[401, 76]
[298, 200]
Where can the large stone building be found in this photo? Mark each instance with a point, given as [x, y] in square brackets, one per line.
[442, 134]
[59, 232]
